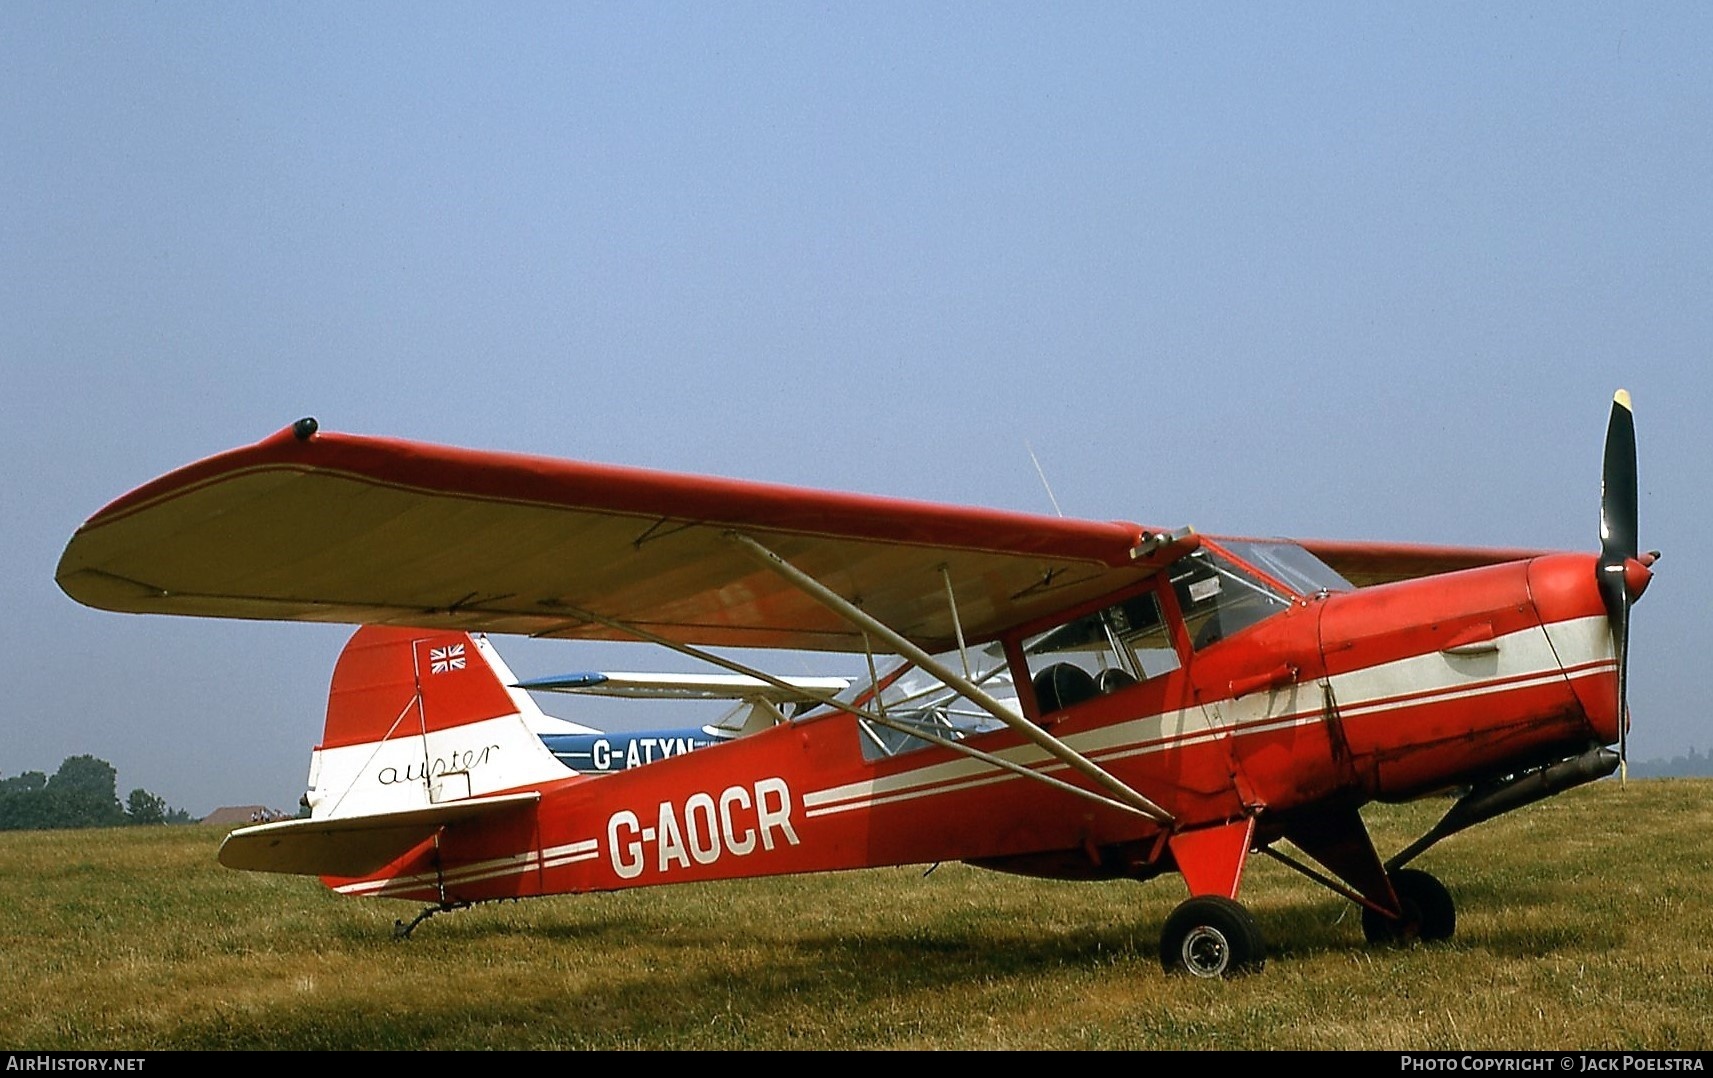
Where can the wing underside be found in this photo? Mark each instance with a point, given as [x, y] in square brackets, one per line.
[307, 526]
[345, 528]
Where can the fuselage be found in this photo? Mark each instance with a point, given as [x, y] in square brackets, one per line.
[1384, 693]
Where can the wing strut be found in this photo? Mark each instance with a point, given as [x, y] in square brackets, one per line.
[828, 699]
[957, 622]
[975, 694]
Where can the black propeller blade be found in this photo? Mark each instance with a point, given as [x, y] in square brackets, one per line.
[1618, 544]
[1618, 485]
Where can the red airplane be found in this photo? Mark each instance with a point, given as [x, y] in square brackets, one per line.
[1060, 698]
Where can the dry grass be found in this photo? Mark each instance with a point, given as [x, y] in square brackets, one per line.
[1583, 923]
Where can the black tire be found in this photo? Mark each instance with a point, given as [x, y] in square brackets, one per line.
[1212, 936]
[1429, 912]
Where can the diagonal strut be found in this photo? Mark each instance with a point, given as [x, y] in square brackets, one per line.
[963, 686]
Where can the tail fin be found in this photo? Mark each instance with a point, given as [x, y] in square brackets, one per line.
[419, 717]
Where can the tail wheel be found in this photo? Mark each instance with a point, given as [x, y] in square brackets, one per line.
[1212, 936]
[1429, 913]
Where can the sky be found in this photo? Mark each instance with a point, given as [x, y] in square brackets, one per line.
[1350, 271]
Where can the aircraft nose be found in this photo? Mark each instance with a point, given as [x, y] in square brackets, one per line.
[1565, 588]
[1566, 592]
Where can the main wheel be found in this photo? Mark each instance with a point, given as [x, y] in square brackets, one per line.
[1212, 936]
[1429, 913]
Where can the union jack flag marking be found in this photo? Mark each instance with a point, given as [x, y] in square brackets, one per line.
[443, 660]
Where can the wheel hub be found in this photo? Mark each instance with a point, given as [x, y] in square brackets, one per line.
[1206, 951]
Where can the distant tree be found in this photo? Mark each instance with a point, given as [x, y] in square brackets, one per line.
[84, 793]
[19, 797]
[23, 801]
[28, 782]
[86, 774]
[143, 807]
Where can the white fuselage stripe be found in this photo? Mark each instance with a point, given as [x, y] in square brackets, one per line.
[584, 850]
[1530, 659]
[1521, 661]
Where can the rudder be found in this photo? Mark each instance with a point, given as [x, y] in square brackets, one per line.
[421, 717]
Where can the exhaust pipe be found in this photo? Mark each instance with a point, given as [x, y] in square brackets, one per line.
[1494, 799]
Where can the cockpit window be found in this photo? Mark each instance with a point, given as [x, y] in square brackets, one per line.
[1289, 564]
[1219, 597]
[917, 700]
[1099, 653]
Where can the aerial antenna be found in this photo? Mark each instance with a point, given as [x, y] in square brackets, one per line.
[1043, 476]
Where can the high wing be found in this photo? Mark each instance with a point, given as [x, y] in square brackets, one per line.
[315, 526]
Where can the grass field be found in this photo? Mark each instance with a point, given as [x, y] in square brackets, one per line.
[1584, 922]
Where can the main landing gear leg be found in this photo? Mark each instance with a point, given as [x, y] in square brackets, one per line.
[402, 931]
[1212, 934]
[1399, 905]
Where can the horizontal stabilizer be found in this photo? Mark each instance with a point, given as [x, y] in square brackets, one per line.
[690, 686]
[355, 845]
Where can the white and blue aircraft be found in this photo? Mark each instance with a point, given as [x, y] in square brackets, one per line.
[912, 698]
[759, 705]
